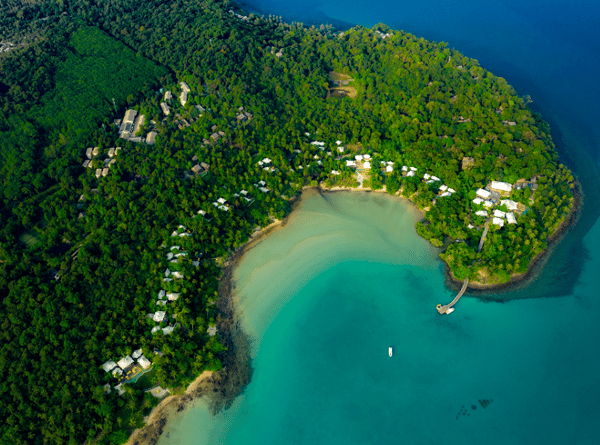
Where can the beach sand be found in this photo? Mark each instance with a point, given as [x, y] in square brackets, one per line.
[170, 405]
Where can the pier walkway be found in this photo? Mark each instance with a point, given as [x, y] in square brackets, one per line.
[446, 308]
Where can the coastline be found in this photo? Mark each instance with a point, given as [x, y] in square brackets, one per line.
[517, 281]
[224, 386]
[520, 280]
[160, 414]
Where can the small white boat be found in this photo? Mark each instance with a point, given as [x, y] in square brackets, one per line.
[449, 311]
[390, 351]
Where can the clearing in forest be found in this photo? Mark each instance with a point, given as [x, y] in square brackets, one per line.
[341, 86]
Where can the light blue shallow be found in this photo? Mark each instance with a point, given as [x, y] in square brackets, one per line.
[325, 298]
[322, 370]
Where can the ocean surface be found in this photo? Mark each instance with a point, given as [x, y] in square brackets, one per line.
[324, 298]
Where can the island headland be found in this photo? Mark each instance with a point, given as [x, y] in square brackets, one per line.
[189, 125]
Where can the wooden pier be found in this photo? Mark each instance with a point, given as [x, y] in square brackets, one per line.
[444, 309]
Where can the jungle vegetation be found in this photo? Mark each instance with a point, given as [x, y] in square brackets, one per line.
[82, 258]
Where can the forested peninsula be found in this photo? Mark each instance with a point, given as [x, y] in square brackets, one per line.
[142, 143]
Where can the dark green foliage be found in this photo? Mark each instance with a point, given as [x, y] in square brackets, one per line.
[57, 100]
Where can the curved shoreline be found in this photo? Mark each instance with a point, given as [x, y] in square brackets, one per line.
[224, 386]
[161, 413]
[534, 269]
[517, 281]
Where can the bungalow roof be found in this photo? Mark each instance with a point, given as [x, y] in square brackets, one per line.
[159, 316]
[498, 221]
[137, 353]
[119, 388]
[509, 203]
[510, 217]
[483, 193]
[107, 366]
[172, 296]
[125, 362]
[503, 186]
[144, 362]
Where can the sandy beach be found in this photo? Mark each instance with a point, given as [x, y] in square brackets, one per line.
[223, 387]
[158, 417]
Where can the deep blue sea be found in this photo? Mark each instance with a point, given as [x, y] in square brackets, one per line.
[324, 298]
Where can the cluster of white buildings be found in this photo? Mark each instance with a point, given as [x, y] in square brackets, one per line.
[165, 105]
[266, 165]
[491, 197]
[125, 369]
[92, 152]
[443, 189]
[220, 204]
[261, 185]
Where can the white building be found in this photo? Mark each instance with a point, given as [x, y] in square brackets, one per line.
[172, 296]
[183, 98]
[358, 157]
[159, 316]
[165, 108]
[501, 186]
[350, 164]
[482, 213]
[389, 168]
[483, 193]
[498, 222]
[499, 213]
[367, 165]
[125, 362]
[184, 87]
[137, 354]
[107, 366]
[144, 362]
[509, 203]
[510, 217]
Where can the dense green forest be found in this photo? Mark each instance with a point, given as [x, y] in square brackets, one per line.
[83, 258]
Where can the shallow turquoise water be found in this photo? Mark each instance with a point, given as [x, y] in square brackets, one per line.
[324, 298]
[322, 371]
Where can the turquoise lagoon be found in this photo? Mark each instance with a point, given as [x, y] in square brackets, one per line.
[348, 277]
[323, 299]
